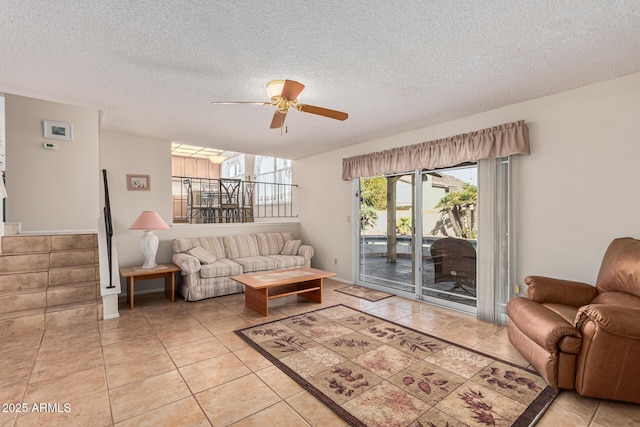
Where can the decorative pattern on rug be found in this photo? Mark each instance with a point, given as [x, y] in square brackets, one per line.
[364, 293]
[374, 372]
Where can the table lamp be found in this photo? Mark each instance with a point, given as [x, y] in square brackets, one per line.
[147, 221]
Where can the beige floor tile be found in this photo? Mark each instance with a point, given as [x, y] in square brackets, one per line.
[212, 314]
[391, 312]
[185, 336]
[231, 299]
[235, 400]
[359, 303]
[18, 359]
[202, 305]
[279, 382]
[467, 338]
[254, 360]
[134, 349]
[174, 325]
[232, 341]
[612, 413]
[124, 322]
[196, 351]
[71, 330]
[213, 372]
[57, 347]
[229, 324]
[14, 376]
[240, 307]
[85, 410]
[498, 345]
[113, 336]
[184, 412]
[52, 367]
[569, 409]
[425, 322]
[279, 414]
[133, 370]
[143, 396]
[167, 316]
[257, 318]
[64, 388]
[313, 411]
[20, 343]
[10, 393]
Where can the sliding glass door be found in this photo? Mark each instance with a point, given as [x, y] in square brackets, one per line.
[386, 242]
[449, 236]
[428, 252]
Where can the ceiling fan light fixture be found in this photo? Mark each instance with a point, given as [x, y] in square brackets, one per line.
[274, 91]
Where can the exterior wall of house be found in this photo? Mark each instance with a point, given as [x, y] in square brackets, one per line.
[51, 190]
[576, 191]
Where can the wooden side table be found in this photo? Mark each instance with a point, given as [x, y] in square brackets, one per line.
[162, 270]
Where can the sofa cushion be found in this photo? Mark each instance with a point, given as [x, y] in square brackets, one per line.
[203, 256]
[270, 243]
[222, 267]
[240, 246]
[213, 245]
[291, 247]
[288, 261]
[257, 263]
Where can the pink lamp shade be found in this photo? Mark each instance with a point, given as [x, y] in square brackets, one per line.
[149, 220]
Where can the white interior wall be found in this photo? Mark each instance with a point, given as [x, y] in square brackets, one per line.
[51, 190]
[577, 189]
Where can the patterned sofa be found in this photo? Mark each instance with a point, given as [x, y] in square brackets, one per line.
[208, 262]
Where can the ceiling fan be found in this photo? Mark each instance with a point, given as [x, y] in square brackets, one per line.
[284, 94]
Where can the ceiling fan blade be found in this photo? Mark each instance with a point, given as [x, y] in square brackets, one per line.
[239, 102]
[332, 114]
[278, 119]
[291, 90]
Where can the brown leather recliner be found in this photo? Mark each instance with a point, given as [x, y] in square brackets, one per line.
[582, 337]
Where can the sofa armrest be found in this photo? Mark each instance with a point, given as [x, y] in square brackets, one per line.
[187, 263]
[306, 251]
[615, 319]
[557, 291]
[543, 326]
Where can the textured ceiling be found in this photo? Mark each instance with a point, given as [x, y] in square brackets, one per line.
[152, 67]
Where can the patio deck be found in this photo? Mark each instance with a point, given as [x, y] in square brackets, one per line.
[399, 276]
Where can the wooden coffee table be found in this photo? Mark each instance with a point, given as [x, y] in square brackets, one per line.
[263, 286]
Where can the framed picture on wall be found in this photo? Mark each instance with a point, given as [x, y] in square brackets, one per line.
[138, 182]
[58, 130]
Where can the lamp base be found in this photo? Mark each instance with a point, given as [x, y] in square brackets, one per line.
[149, 248]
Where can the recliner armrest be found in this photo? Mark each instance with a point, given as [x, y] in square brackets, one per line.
[558, 291]
[543, 326]
[614, 319]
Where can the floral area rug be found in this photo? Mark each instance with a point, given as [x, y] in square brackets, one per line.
[374, 372]
[364, 293]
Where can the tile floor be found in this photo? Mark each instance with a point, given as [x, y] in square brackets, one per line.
[180, 364]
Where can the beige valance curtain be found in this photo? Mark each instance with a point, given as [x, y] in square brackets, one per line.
[498, 141]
